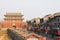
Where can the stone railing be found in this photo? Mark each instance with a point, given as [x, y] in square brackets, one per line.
[14, 35]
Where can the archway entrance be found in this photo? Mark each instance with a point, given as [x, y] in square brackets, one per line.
[14, 26]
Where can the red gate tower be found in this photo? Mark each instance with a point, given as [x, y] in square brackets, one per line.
[13, 19]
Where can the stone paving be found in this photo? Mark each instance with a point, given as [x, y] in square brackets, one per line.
[4, 35]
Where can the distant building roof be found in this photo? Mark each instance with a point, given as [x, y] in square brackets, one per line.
[13, 14]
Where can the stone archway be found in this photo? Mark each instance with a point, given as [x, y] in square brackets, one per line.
[14, 26]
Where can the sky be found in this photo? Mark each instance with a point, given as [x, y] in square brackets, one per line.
[29, 8]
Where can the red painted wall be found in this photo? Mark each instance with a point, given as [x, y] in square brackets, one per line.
[9, 23]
